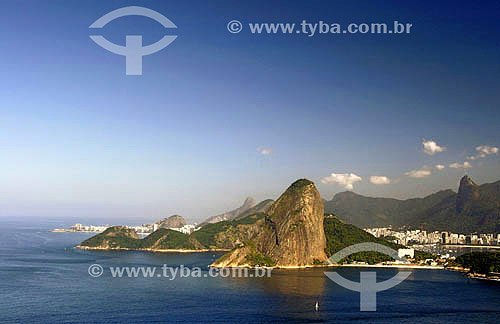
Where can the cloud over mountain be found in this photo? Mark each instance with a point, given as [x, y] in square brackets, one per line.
[345, 179]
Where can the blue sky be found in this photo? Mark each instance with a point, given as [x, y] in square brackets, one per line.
[79, 138]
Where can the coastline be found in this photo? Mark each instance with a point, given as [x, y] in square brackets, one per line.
[62, 230]
[482, 277]
[276, 267]
[459, 246]
[333, 265]
[151, 250]
[387, 266]
[399, 266]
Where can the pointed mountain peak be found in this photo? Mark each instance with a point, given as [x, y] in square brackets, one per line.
[247, 204]
[249, 201]
[467, 193]
[467, 181]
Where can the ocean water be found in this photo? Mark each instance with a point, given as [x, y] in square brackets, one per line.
[43, 279]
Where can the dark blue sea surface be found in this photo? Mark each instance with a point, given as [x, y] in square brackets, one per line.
[43, 279]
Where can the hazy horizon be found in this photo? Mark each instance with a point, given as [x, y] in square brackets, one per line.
[147, 219]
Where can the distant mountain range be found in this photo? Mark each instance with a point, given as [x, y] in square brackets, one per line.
[293, 232]
[475, 208]
[248, 208]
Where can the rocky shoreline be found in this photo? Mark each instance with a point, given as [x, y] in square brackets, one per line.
[480, 276]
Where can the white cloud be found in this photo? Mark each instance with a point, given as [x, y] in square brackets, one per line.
[419, 173]
[345, 179]
[465, 165]
[483, 151]
[264, 150]
[440, 166]
[378, 180]
[431, 147]
[488, 150]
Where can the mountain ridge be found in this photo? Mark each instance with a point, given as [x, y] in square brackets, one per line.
[473, 208]
[230, 215]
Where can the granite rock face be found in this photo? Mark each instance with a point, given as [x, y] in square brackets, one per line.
[468, 193]
[174, 221]
[291, 236]
[236, 235]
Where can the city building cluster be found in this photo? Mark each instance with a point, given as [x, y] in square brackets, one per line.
[142, 229]
[186, 229]
[87, 228]
[410, 237]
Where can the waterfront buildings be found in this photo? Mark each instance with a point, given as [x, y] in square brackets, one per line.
[409, 237]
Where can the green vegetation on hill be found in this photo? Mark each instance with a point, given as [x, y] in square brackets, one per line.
[252, 219]
[340, 235]
[167, 239]
[204, 238]
[114, 237]
[207, 234]
[475, 208]
[480, 262]
[378, 212]
[120, 237]
[254, 258]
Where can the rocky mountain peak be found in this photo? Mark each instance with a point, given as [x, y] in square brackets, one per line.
[248, 203]
[466, 181]
[468, 192]
[174, 221]
[293, 233]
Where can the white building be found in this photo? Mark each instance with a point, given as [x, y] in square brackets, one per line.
[402, 253]
[186, 229]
